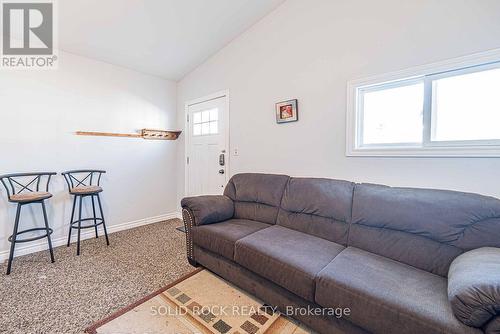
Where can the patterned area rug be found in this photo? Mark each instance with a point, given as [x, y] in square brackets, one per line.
[200, 302]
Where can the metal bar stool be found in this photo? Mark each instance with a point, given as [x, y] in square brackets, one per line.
[23, 189]
[82, 183]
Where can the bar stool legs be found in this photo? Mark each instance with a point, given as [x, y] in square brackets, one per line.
[96, 220]
[13, 241]
[71, 220]
[48, 232]
[103, 222]
[13, 238]
[79, 226]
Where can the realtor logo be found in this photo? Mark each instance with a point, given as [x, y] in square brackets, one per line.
[28, 35]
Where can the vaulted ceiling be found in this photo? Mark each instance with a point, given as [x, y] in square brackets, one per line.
[167, 38]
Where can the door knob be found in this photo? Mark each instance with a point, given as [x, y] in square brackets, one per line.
[221, 171]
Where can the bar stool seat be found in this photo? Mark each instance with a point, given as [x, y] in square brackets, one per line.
[85, 190]
[30, 197]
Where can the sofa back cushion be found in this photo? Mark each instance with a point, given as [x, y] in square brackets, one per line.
[319, 207]
[256, 196]
[422, 227]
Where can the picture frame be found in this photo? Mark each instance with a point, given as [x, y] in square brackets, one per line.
[287, 111]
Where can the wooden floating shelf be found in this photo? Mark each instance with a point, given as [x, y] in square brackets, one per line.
[144, 134]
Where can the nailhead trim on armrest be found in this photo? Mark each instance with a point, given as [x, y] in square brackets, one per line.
[188, 225]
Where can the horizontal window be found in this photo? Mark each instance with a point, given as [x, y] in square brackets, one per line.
[441, 110]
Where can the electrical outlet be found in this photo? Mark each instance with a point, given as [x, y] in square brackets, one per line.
[236, 152]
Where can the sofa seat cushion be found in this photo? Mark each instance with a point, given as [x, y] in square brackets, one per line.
[221, 237]
[385, 296]
[286, 257]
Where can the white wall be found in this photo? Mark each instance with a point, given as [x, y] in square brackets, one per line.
[309, 50]
[41, 110]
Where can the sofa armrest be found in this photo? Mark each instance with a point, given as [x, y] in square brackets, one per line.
[209, 209]
[203, 210]
[474, 286]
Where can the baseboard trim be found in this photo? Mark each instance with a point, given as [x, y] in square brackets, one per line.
[42, 244]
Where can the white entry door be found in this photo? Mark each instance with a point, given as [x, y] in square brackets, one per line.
[207, 147]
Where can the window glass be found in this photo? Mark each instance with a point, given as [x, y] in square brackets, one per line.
[393, 115]
[197, 117]
[206, 122]
[214, 114]
[205, 116]
[205, 128]
[196, 129]
[214, 127]
[466, 107]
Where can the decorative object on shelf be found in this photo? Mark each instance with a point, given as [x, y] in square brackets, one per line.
[287, 111]
[160, 134]
[144, 134]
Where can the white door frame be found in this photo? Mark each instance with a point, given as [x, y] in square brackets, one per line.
[225, 94]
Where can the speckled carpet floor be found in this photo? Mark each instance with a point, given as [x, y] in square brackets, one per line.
[74, 292]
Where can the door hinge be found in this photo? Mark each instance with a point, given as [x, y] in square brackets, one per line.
[188, 117]
[187, 160]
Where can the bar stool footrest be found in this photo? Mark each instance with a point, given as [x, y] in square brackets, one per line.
[87, 226]
[34, 238]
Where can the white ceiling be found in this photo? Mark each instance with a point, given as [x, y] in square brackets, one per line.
[167, 38]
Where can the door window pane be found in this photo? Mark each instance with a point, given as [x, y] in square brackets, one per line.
[393, 115]
[206, 122]
[205, 128]
[214, 127]
[467, 107]
[196, 129]
[214, 114]
[197, 117]
[205, 116]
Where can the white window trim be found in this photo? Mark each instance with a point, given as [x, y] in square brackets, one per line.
[442, 149]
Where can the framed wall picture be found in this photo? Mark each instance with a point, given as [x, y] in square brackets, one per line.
[287, 111]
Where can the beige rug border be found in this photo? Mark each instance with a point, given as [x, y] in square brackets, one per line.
[93, 328]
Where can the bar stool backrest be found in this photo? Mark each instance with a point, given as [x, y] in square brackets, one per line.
[83, 177]
[26, 182]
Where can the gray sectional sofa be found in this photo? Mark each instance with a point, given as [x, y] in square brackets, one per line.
[382, 255]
